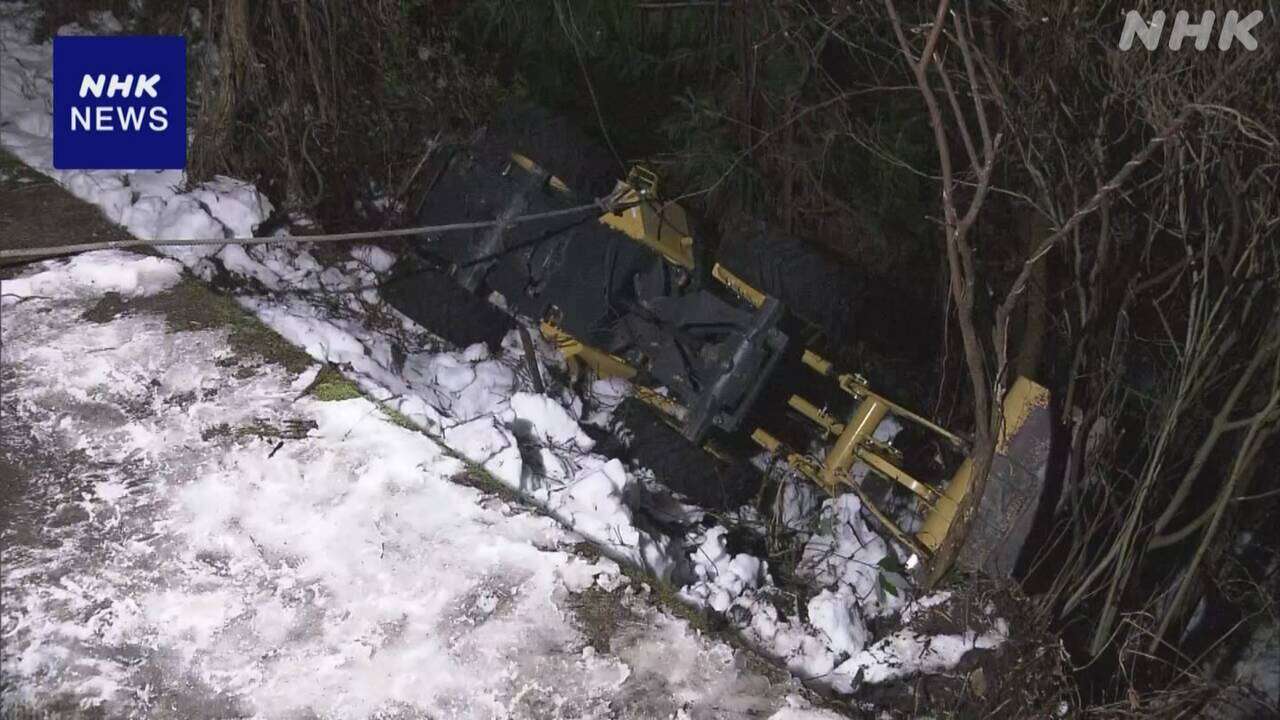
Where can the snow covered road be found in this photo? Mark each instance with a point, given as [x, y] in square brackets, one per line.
[192, 533]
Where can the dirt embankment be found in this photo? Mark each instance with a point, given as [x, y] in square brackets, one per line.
[35, 212]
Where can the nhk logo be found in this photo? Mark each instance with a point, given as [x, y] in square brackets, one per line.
[120, 102]
[1234, 29]
[101, 118]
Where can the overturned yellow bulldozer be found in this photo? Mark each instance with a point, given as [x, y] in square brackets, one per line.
[631, 294]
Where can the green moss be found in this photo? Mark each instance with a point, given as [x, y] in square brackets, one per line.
[16, 175]
[9, 164]
[599, 615]
[399, 418]
[289, 429]
[481, 479]
[331, 386]
[192, 305]
[107, 308]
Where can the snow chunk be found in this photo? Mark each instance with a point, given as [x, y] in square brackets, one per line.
[907, 652]
[600, 489]
[182, 218]
[888, 429]
[798, 500]
[594, 504]
[799, 709]
[476, 352]
[924, 603]
[849, 556]
[96, 273]
[235, 204]
[550, 421]
[836, 617]
[375, 257]
[722, 577]
[482, 440]
[579, 575]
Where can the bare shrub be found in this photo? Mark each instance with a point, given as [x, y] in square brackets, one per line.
[329, 104]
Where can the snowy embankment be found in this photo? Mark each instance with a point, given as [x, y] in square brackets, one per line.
[480, 406]
[193, 534]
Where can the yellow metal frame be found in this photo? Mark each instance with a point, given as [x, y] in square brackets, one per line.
[529, 165]
[855, 439]
[737, 285]
[815, 472]
[1021, 400]
[660, 226]
[663, 404]
[857, 386]
[664, 228]
[576, 352]
[855, 442]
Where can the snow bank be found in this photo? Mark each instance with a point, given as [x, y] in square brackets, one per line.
[199, 567]
[93, 274]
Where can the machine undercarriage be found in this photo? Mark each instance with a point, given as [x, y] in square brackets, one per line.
[718, 359]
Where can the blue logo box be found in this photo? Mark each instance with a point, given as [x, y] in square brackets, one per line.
[120, 103]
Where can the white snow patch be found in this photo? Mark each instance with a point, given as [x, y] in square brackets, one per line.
[722, 577]
[837, 617]
[578, 574]
[907, 653]
[376, 258]
[926, 602]
[494, 447]
[550, 421]
[799, 709]
[849, 556]
[93, 274]
[340, 574]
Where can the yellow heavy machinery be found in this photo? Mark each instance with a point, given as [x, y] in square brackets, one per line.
[630, 294]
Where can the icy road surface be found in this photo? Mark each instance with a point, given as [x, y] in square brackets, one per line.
[190, 534]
